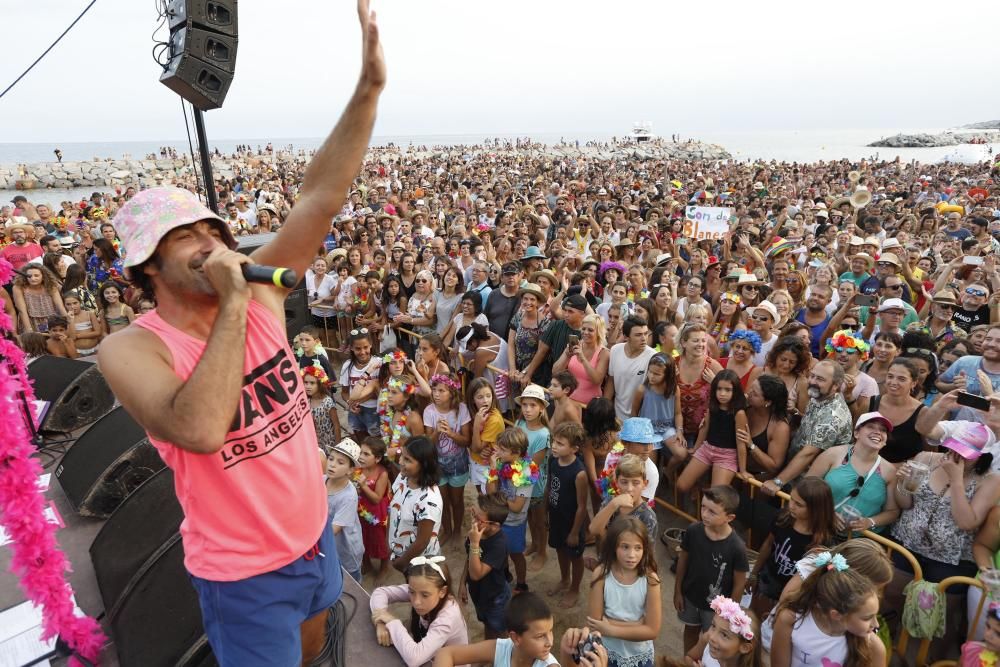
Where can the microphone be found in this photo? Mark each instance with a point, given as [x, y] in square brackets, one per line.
[270, 275]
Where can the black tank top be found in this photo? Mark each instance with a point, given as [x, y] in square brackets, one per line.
[721, 429]
[760, 440]
[904, 442]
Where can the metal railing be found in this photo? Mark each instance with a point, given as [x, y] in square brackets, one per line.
[942, 589]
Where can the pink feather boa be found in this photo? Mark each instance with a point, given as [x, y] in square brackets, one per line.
[36, 558]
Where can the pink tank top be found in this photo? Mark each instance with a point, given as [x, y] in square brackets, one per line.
[258, 503]
[586, 389]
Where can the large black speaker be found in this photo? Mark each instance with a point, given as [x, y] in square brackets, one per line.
[109, 461]
[297, 313]
[147, 519]
[202, 48]
[157, 621]
[78, 393]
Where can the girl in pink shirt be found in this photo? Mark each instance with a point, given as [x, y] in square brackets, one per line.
[435, 620]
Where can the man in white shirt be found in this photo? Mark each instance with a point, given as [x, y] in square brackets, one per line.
[627, 366]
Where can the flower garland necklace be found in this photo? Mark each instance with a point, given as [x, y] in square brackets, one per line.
[392, 422]
[520, 473]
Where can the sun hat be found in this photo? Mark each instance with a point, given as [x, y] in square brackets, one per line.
[869, 260]
[146, 218]
[625, 242]
[747, 279]
[663, 258]
[531, 288]
[970, 440]
[892, 304]
[945, 298]
[535, 392]
[768, 308]
[889, 258]
[638, 429]
[348, 448]
[545, 274]
[337, 253]
[890, 243]
[874, 416]
[856, 240]
[533, 252]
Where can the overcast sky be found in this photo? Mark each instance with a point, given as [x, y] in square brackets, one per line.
[516, 66]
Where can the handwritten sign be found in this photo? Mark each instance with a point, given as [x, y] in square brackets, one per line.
[706, 222]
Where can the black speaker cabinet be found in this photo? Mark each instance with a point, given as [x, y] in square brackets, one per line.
[147, 519]
[78, 393]
[109, 461]
[200, 83]
[157, 621]
[216, 15]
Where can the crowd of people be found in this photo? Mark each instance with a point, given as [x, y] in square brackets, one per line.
[548, 332]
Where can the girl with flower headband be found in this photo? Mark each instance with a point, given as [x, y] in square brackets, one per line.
[849, 350]
[728, 318]
[324, 410]
[436, 618]
[449, 426]
[833, 615]
[399, 417]
[733, 639]
[396, 363]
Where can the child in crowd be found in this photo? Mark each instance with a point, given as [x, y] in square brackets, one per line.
[359, 384]
[324, 410]
[415, 508]
[733, 639]
[396, 363]
[436, 618]
[145, 306]
[534, 423]
[343, 303]
[567, 508]
[115, 314]
[656, 400]
[637, 437]
[432, 358]
[529, 642]
[712, 562]
[342, 501]
[832, 616]
[487, 425]
[602, 427]
[806, 522]
[399, 417]
[513, 478]
[373, 504]
[313, 353]
[449, 427]
[60, 342]
[84, 323]
[566, 409]
[715, 448]
[486, 577]
[624, 599]
[987, 652]
[623, 497]
[34, 344]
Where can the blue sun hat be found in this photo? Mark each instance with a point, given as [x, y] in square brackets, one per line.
[533, 252]
[638, 429]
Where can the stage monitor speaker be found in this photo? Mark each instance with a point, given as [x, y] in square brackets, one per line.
[214, 15]
[77, 391]
[157, 621]
[147, 519]
[109, 461]
[209, 47]
[203, 85]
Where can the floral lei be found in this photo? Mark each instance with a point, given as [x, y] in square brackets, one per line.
[392, 422]
[520, 473]
[631, 296]
[606, 485]
[368, 517]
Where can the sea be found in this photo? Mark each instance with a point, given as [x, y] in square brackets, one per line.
[801, 146]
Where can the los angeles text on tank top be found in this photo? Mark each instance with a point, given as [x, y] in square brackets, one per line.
[259, 502]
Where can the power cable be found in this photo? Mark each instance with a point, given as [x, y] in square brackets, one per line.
[187, 128]
[46, 52]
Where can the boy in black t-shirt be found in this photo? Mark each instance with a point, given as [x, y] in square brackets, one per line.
[486, 572]
[712, 561]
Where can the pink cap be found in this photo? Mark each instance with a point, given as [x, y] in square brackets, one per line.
[969, 439]
[146, 218]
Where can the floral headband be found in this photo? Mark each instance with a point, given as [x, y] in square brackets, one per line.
[739, 620]
[395, 355]
[831, 561]
[317, 372]
[847, 340]
[732, 296]
[399, 385]
[446, 381]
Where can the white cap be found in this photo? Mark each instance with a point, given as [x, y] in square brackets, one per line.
[892, 304]
[768, 308]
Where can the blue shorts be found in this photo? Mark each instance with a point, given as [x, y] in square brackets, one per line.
[365, 421]
[256, 621]
[516, 537]
[490, 613]
[457, 481]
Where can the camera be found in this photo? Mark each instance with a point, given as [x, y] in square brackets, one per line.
[586, 646]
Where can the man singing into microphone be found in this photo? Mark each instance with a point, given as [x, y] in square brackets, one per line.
[210, 376]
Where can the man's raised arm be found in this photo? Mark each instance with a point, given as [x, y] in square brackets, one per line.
[335, 164]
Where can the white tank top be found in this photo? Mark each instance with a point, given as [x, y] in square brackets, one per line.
[811, 647]
[707, 660]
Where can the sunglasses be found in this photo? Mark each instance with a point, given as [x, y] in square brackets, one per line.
[752, 288]
[761, 318]
[853, 326]
[359, 332]
[858, 485]
[971, 291]
[848, 350]
[894, 287]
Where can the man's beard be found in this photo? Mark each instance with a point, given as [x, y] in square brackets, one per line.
[814, 392]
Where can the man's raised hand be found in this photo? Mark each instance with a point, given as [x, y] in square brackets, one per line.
[372, 59]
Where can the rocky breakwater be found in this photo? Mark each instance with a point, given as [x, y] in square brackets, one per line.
[918, 141]
[103, 173]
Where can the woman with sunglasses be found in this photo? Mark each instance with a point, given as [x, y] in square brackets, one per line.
[939, 323]
[860, 477]
[420, 308]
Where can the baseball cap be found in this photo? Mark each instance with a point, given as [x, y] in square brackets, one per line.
[969, 439]
[151, 214]
[575, 301]
[874, 416]
[892, 304]
[510, 268]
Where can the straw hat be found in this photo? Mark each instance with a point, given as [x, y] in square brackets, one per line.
[748, 279]
[532, 288]
[545, 274]
[535, 392]
[945, 298]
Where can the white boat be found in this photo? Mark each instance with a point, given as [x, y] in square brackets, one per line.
[642, 132]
